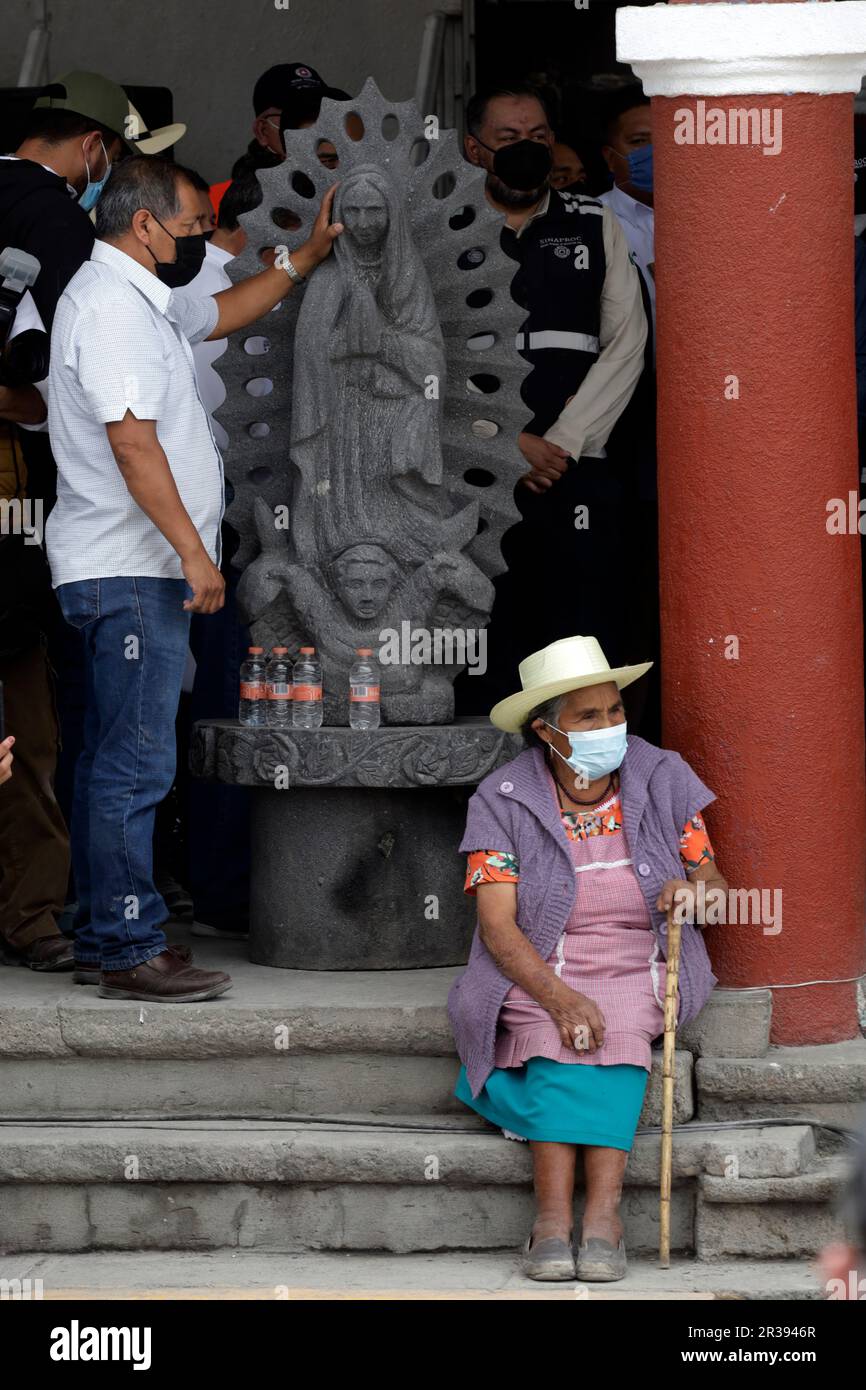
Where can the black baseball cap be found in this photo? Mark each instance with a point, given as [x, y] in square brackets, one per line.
[295, 88]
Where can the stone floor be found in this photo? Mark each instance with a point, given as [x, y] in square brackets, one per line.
[492, 1274]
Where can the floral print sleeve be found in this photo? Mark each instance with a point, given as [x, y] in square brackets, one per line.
[490, 866]
[695, 847]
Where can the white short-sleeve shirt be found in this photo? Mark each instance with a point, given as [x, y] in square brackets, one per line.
[121, 341]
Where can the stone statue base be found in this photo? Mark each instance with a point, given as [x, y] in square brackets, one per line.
[354, 838]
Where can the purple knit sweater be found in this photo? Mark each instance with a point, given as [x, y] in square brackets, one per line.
[513, 810]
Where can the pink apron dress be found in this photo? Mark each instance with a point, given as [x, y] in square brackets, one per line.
[608, 951]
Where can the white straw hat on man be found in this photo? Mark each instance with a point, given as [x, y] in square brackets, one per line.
[570, 664]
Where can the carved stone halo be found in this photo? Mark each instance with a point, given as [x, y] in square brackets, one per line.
[457, 235]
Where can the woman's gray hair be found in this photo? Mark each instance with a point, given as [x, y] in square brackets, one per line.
[549, 711]
[140, 182]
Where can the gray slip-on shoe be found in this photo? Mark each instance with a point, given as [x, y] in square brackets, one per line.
[550, 1258]
[598, 1261]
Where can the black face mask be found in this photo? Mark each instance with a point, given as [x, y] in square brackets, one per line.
[190, 255]
[523, 166]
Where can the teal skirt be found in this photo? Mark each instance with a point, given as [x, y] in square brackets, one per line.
[562, 1102]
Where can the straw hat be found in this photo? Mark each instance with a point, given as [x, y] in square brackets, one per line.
[146, 141]
[570, 664]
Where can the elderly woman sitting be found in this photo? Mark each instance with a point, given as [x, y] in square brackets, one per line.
[576, 850]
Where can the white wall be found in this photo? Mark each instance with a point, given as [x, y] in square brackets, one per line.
[210, 52]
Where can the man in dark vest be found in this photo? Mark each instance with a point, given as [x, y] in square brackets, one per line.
[584, 338]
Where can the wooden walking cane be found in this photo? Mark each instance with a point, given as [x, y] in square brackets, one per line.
[671, 986]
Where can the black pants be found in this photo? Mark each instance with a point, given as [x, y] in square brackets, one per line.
[571, 572]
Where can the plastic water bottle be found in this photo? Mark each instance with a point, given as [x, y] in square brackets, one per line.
[307, 691]
[252, 707]
[364, 708]
[279, 683]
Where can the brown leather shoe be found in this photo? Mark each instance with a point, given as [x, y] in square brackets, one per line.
[48, 953]
[164, 980]
[87, 974]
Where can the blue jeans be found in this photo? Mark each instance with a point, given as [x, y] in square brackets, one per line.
[135, 634]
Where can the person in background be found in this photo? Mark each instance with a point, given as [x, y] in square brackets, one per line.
[72, 137]
[842, 1264]
[80, 126]
[627, 149]
[568, 173]
[584, 338]
[287, 96]
[217, 816]
[301, 106]
[134, 543]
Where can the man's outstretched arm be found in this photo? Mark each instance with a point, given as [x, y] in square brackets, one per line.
[255, 297]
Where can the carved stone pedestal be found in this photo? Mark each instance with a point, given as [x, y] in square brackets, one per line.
[354, 838]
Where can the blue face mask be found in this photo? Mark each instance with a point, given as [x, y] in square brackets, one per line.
[90, 196]
[640, 167]
[595, 752]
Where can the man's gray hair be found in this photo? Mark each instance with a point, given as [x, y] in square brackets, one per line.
[140, 182]
[549, 711]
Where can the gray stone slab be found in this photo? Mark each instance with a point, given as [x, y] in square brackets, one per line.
[29, 1031]
[248, 1216]
[751, 1153]
[835, 1114]
[832, 1071]
[779, 1230]
[277, 1086]
[759, 1153]
[823, 1183]
[684, 1106]
[261, 1152]
[826, 1081]
[397, 1012]
[464, 1275]
[732, 1023]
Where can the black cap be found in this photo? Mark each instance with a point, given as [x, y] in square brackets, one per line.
[291, 86]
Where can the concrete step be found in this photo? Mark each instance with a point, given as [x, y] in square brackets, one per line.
[272, 1087]
[827, 1081]
[772, 1217]
[488, 1275]
[283, 1042]
[399, 1186]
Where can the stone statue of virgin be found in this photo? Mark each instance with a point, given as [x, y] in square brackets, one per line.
[369, 377]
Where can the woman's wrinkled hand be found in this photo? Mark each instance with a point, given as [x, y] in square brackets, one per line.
[678, 893]
[579, 1019]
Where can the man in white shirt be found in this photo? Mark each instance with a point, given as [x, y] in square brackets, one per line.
[627, 127]
[627, 151]
[133, 542]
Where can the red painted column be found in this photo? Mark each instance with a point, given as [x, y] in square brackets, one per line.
[762, 663]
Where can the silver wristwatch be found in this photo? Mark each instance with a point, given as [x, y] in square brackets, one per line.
[292, 272]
